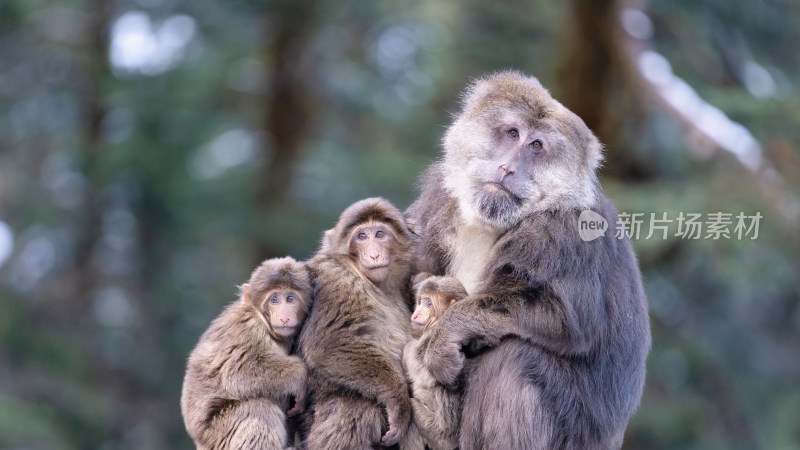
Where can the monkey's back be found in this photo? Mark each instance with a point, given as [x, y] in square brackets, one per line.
[348, 308]
[206, 406]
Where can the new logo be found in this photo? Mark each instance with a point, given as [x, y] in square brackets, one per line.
[591, 225]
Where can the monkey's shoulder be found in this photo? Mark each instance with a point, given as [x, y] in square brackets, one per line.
[332, 266]
[558, 230]
[340, 295]
[333, 276]
[435, 208]
[236, 329]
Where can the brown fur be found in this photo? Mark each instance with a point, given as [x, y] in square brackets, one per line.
[240, 376]
[354, 337]
[561, 323]
[436, 407]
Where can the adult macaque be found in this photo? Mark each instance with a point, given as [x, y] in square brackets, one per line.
[436, 407]
[354, 337]
[240, 376]
[563, 321]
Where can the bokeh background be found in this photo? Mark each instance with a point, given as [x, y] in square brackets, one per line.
[152, 152]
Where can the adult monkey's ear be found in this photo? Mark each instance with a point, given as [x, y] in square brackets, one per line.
[419, 278]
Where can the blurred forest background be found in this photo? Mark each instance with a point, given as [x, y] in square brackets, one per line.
[152, 152]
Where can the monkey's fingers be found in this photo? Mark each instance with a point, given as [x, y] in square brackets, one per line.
[296, 409]
[398, 414]
[391, 437]
[445, 363]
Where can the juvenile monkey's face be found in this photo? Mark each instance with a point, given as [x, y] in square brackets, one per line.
[434, 295]
[373, 245]
[285, 310]
[423, 312]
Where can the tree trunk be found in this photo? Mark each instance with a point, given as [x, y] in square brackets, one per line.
[595, 84]
[286, 120]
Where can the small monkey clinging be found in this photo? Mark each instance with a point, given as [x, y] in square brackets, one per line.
[240, 377]
[436, 407]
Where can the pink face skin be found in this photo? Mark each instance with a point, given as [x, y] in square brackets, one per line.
[285, 311]
[282, 307]
[373, 243]
[518, 148]
[423, 312]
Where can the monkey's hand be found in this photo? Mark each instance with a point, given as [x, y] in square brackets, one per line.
[443, 356]
[477, 322]
[398, 412]
[297, 408]
[299, 391]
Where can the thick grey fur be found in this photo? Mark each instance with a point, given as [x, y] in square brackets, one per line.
[552, 344]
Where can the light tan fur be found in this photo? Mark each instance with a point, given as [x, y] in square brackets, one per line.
[436, 407]
[240, 377]
[472, 250]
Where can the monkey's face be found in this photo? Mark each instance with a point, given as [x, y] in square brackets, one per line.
[433, 296]
[423, 312]
[514, 151]
[503, 175]
[373, 245]
[286, 311]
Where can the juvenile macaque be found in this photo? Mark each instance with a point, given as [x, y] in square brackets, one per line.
[354, 338]
[240, 377]
[436, 407]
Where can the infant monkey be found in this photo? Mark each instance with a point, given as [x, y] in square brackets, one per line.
[240, 377]
[436, 408]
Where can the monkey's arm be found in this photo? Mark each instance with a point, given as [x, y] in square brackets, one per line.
[423, 215]
[272, 376]
[512, 305]
[362, 367]
[436, 408]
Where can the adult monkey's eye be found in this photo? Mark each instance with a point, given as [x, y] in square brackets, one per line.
[379, 234]
[361, 236]
[513, 132]
[537, 144]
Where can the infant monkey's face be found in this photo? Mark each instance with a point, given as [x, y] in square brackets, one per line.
[423, 311]
[434, 295]
[284, 307]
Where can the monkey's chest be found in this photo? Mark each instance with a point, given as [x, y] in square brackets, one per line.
[471, 249]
